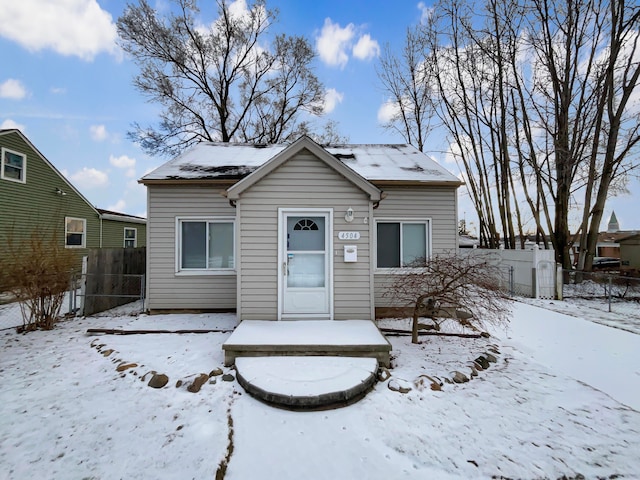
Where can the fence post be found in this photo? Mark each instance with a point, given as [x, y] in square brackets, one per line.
[609, 293]
[512, 287]
[559, 282]
[71, 292]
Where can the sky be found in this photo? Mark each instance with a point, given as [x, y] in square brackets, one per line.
[68, 86]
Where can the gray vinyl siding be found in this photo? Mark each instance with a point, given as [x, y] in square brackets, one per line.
[166, 289]
[435, 203]
[301, 182]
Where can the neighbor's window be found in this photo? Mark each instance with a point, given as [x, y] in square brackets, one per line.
[130, 239]
[402, 244]
[206, 244]
[75, 232]
[14, 166]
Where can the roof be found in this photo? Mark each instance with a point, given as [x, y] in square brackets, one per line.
[117, 215]
[304, 143]
[120, 217]
[48, 163]
[232, 162]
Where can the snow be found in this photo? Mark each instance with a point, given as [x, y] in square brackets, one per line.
[543, 410]
[374, 162]
[306, 332]
[306, 376]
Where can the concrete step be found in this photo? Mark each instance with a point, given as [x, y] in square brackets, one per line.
[346, 338]
[307, 383]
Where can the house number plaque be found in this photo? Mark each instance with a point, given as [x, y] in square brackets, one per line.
[349, 235]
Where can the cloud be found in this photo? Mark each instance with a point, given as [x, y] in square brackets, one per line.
[69, 27]
[98, 132]
[331, 99]
[90, 178]
[12, 89]
[366, 48]
[387, 112]
[333, 43]
[119, 206]
[124, 162]
[425, 12]
[9, 124]
[58, 90]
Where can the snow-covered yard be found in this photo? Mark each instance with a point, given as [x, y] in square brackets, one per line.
[563, 398]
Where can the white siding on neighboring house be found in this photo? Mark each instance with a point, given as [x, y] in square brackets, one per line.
[437, 204]
[302, 181]
[166, 289]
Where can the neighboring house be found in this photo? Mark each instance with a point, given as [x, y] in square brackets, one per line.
[608, 245]
[121, 230]
[630, 254]
[36, 197]
[292, 231]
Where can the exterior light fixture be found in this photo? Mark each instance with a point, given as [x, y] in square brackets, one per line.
[349, 215]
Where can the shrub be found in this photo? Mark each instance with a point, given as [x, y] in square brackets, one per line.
[468, 289]
[38, 271]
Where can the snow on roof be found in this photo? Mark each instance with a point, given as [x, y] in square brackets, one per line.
[228, 161]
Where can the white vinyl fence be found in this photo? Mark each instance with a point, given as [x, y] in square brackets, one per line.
[534, 271]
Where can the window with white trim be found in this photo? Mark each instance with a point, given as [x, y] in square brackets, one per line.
[402, 243]
[130, 237]
[206, 244]
[75, 232]
[14, 166]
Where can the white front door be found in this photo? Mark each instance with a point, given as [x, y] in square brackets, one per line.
[305, 283]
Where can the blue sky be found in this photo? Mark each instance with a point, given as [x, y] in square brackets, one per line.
[68, 87]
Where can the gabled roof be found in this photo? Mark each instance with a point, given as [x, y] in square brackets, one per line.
[303, 143]
[227, 163]
[48, 163]
[98, 211]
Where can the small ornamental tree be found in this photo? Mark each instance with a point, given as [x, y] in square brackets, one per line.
[468, 289]
[38, 273]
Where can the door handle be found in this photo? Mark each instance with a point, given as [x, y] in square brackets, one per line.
[284, 268]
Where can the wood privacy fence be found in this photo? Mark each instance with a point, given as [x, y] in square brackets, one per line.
[113, 277]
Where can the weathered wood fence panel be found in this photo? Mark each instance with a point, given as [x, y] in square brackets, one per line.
[114, 276]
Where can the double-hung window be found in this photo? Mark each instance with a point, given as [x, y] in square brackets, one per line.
[205, 245]
[13, 166]
[402, 243]
[75, 232]
[130, 235]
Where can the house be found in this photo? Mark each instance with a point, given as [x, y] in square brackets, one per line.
[297, 231]
[608, 247]
[630, 254]
[36, 197]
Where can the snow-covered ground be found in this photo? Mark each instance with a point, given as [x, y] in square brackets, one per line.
[563, 398]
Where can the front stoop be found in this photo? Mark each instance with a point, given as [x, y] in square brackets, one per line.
[339, 338]
[307, 383]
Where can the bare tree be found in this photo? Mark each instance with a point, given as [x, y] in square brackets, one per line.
[466, 288]
[540, 102]
[406, 80]
[221, 82]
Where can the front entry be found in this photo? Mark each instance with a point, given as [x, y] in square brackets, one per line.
[305, 279]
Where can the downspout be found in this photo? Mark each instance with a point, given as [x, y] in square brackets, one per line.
[100, 216]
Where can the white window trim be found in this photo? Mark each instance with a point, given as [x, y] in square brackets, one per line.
[425, 220]
[179, 271]
[84, 232]
[24, 165]
[135, 236]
